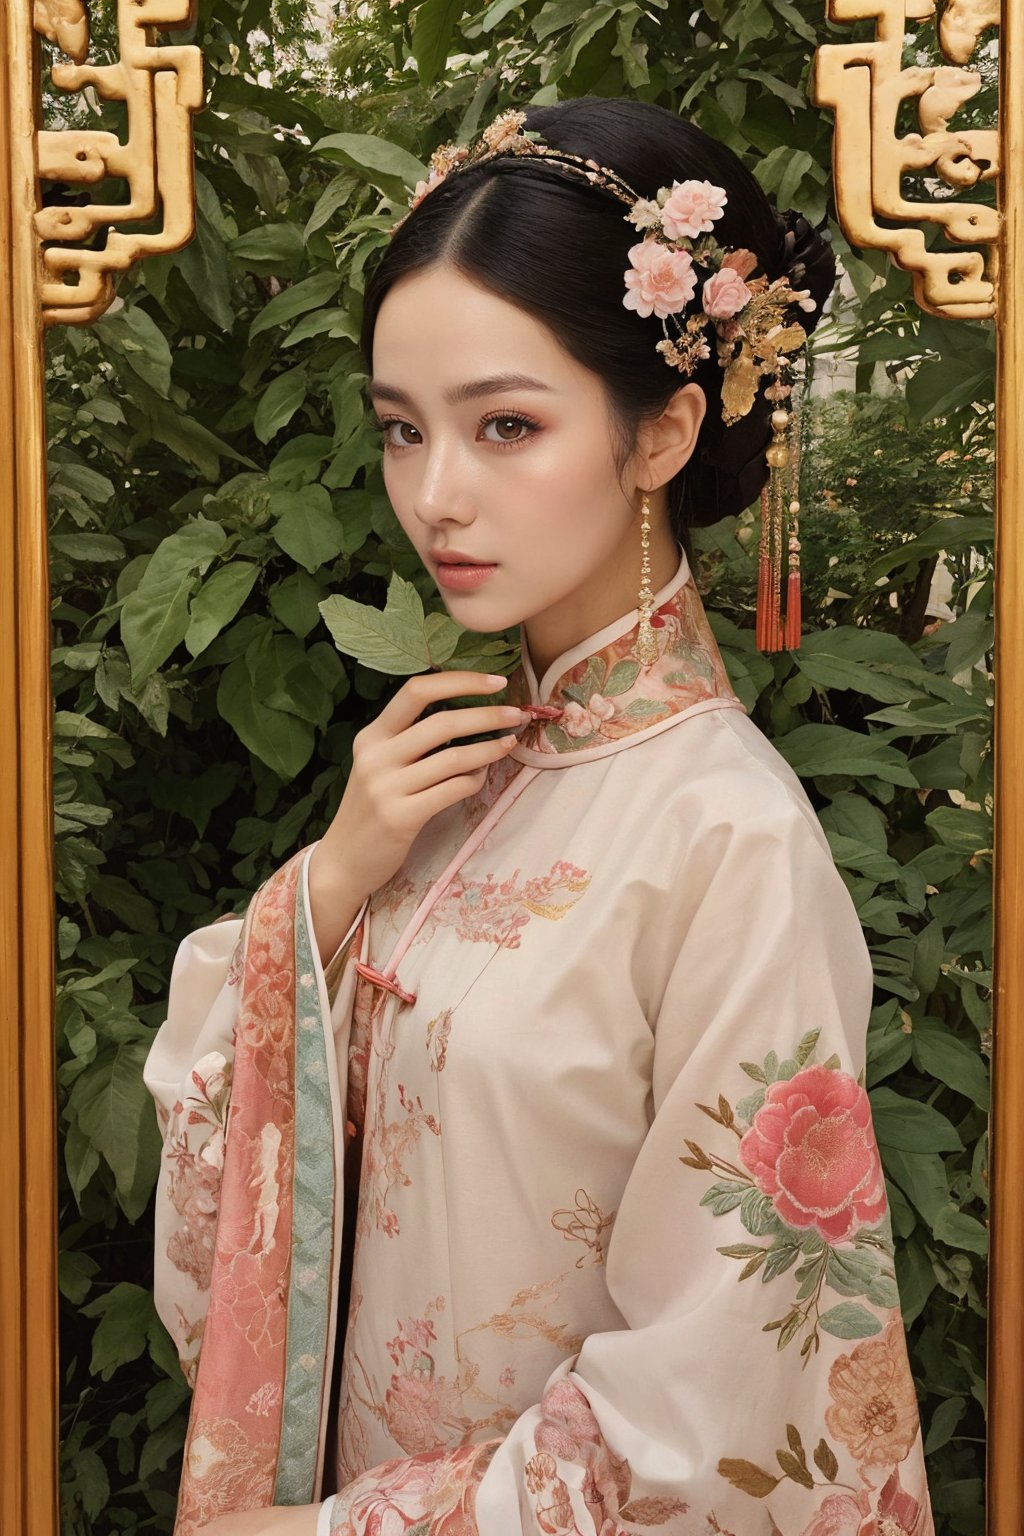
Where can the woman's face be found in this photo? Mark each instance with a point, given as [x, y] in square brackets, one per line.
[518, 475]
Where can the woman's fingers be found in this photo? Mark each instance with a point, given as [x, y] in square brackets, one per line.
[429, 688]
[426, 735]
[454, 763]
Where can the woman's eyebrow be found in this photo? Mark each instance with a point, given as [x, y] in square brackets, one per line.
[497, 383]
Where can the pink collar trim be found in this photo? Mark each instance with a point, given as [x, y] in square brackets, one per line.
[611, 701]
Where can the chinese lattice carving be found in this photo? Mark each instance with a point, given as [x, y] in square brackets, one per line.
[161, 87]
[864, 83]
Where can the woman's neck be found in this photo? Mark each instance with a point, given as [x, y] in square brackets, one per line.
[610, 593]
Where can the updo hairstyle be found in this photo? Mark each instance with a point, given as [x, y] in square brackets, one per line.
[556, 247]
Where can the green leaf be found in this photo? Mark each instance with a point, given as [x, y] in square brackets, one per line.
[334, 196]
[276, 248]
[393, 641]
[909, 1125]
[310, 293]
[126, 1315]
[958, 827]
[114, 1112]
[154, 618]
[387, 166]
[90, 1481]
[88, 547]
[944, 1421]
[75, 1273]
[961, 1230]
[203, 263]
[282, 741]
[832, 749]
[217, 602]
[850, 1321]
[945, 1056]
[134, 336]
[294, 601]
[432, 35]
[307, 527]
[279, 402]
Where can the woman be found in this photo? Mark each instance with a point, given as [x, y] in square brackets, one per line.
[551, 1200]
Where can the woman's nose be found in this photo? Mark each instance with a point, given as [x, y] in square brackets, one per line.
[444, 493]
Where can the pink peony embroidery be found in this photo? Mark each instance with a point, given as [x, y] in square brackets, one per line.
[578, 721]
[811, 1148]
[691, 209]
[724, 294]
[659, 281]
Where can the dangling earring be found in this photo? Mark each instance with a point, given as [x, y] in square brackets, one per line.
[645, 651]
[782, 488]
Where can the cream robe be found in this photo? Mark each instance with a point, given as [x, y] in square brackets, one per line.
[622, 1258]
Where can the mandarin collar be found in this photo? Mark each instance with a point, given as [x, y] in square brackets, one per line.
[609, 700]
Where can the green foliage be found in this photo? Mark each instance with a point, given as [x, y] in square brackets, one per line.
[233, 598]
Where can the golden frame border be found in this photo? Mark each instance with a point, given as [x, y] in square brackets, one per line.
[1004, 1486]
[28, 1192]
[28, 1290]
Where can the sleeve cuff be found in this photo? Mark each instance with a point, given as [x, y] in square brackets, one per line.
[323, 1522]
[332, 969]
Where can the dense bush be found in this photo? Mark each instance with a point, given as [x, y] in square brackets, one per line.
[213, 482]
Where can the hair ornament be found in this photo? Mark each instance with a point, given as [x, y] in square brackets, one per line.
[754, 339]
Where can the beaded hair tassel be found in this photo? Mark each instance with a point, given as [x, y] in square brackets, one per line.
[780, 528]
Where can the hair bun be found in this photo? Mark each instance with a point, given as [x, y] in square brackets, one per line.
[804, 255]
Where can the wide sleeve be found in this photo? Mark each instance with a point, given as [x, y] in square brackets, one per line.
[188, 1072]
[761, 1383]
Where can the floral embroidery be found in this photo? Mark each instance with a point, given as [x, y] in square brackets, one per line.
[195, 1173]
[438, 1031]
[874, 1407]
[608, 695]
[587, 1224]
[811, 1148]
[490, 911]
[423, 1409]
[224, 1471]
[569, 1432]
[431, 1495]
[811, 1183]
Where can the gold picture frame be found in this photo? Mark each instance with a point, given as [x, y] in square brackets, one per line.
[162, 92]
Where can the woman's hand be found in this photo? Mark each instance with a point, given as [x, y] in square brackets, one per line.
[395, 788]
[296, 1520]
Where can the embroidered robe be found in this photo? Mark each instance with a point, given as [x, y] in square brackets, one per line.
[588, 1074]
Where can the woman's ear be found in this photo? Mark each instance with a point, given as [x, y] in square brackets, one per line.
[665, 445]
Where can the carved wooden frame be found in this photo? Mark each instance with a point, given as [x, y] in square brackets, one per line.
[41, 247]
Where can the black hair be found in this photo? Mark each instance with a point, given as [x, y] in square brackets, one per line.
[556, 246]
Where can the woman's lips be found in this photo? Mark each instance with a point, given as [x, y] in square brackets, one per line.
[462, 578]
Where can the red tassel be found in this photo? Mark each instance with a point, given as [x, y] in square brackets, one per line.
[793, 621]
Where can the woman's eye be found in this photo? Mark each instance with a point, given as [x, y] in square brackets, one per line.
[505, 422]
[516, 423]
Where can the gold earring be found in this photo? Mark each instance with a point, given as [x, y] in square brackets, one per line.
[645, 651]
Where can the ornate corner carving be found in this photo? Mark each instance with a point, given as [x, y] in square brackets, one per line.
[83, 246]
[865, 84]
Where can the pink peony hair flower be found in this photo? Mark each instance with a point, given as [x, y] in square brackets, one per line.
[659, 281]
[724, 294]
[691, 208]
